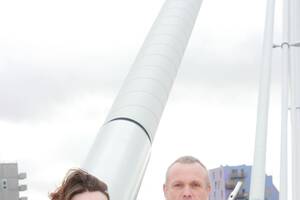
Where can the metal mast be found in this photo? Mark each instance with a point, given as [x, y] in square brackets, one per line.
[290, 88]
[295, 96]
[283, 195]
[257, 187]
[121, 150]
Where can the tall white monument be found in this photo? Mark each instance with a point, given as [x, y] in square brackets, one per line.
[121, 150]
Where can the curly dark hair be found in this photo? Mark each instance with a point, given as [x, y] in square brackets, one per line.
[78, 181]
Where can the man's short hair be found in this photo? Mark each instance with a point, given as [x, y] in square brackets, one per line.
[188, 160]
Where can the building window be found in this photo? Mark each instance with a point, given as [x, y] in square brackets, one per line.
[242, 173]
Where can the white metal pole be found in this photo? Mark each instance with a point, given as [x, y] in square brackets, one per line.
[283, 195]
[257, 185]
[294, 136]
[295, 98]
[121, 150]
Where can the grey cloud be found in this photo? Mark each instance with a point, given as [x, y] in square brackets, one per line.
[32, 87]
[27, 90]
[225, 65]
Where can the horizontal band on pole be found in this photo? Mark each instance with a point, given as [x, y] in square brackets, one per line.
[296, 44]
[135, 122]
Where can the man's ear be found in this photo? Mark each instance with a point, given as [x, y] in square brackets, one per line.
[209, 188]
[165, 190]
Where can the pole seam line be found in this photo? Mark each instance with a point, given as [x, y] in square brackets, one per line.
[135, 122]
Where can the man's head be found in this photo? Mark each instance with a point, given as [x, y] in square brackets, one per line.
[80, 185]
[187, 179]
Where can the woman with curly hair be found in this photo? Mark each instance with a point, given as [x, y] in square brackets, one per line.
[80, 185]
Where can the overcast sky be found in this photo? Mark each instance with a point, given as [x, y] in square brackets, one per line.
[62, 63]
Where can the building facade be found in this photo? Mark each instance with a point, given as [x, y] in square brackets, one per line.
[9, 182]
[224, 179]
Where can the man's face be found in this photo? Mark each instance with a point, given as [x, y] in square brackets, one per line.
[187, 182]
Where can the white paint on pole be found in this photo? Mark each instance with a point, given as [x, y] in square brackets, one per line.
[257, 186]
[118, 157]
[295, 98]
[121, 150]
[283, 194]
[147, 86]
